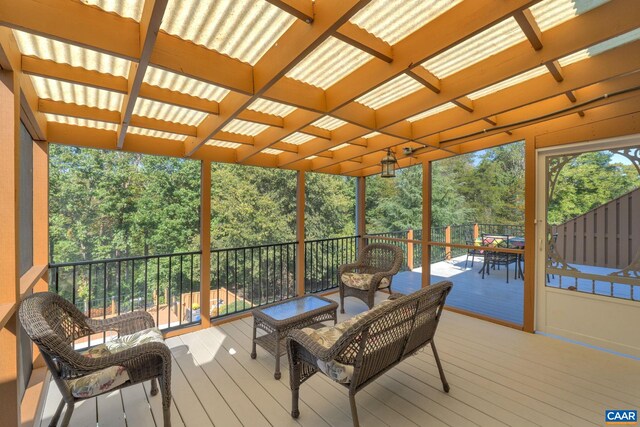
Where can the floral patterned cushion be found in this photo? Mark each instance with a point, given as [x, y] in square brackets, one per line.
[113, 376]
[327, 336]
[362, 280]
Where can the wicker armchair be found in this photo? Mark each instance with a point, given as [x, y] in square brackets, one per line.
[53, 324]
[356, 352]
[376, 265]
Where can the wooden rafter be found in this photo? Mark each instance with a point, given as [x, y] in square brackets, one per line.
[367, 42]
[529, 27]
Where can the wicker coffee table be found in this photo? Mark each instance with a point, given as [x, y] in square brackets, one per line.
[279, 318]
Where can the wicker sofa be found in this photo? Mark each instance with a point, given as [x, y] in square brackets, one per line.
[138, 354]
[359, 350]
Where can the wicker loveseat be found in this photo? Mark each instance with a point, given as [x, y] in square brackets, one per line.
[374, 269]
[359, 350]
[138, 354]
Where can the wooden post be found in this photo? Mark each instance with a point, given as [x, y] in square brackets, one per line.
[410, 249]
[476, 231]
[300, 203]
[9, 242]
[205, 243]
[529, 233]
[40, 223]
[361, 223]
[426, 223]
[447, 239]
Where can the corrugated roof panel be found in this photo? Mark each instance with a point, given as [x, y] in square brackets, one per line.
[393, 20]
[270, 107]
[371, 135]
[183, 84]
[311, 157]
[510, 82]
[242, 29]
[76, 121]
[431, 112]
[64, 53]
[393, 90]
[602, 47]
[156, 133]
[297, 138]
[223, 144]
[125, 8]
[76, 94]
[339, 147]
[328, 63]
[479, 47]
[167, 112]
[549, 13]
[272, 151]
[242, 127]
[328, 123]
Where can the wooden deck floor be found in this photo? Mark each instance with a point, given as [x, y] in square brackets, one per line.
[498, 376]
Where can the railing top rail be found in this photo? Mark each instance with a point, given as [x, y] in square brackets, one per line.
[238, 248]
[109, 260]
[332, 238]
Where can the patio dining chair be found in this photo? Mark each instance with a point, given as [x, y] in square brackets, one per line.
[475, 252]
[493, 260]
[138, 354]
[376, 265]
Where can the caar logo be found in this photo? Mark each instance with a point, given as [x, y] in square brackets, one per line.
[620, 417]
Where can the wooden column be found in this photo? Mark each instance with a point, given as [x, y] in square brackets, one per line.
[9, 241]
[476, 231]
[410, 249]
[361, 220]
[447, 239]
[529, 233]
[426, 223]
[40, 223]
[300, 203]
[205, 243]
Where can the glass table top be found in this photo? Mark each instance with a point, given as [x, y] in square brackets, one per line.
[294, 308]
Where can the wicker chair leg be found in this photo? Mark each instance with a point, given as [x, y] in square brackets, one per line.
[67, 415]
[166, 401]
[154, 387]
[294, 373]
[341, 299]
[295, 411]
[56, 416]
[445, 384]
[354, 410]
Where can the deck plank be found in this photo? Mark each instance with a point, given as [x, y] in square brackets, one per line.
[110, 411]
[136, 407]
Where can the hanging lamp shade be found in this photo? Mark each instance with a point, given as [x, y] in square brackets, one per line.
[388, 163]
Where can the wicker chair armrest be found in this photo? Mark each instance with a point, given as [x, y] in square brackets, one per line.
[349, 268]
[395, 296]
[297, 337]
[124, 324]
[134, 358]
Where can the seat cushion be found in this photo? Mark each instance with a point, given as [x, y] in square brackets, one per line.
[362, 281]
[114, 376]
[328, 336]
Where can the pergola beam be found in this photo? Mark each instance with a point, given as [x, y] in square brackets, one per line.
[529, 27]
[152, 14]
[365, 41]
[301, 9]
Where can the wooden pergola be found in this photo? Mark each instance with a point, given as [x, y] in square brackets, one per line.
[314, 86]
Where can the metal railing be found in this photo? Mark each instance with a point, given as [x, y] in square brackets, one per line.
[322, 259]
[160, 284]
[248, 277]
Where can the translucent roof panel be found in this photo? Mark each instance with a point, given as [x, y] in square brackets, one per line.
[272, 151]
[371, 135]
[167, 112]
[328, 63]
[393, 90]
[172, 81]
[242, 29]
[549, 13]
[311, 157]
[339, 147]
[125, 8]
[431, 112]
[75, 121]
[242, 127]
[328, 123]
[223, 144]
[509, 82]
[473, 50]
[297, 138]
[393, 20]
[271, 107]
[155, 133]
[64, 53]
[76, 94]
[599, 48]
